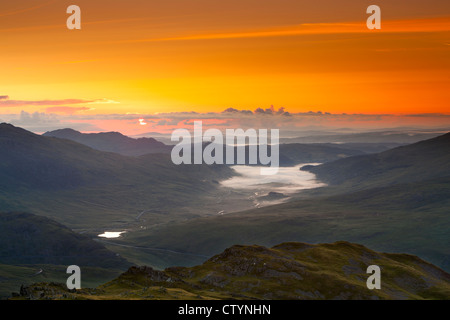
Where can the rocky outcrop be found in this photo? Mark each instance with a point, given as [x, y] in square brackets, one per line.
[286, 271]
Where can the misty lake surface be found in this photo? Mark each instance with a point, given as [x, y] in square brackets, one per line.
[288, 180]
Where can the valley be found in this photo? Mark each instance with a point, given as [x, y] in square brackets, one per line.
[166, 215]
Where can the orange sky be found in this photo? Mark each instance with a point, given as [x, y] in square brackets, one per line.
[201, 55]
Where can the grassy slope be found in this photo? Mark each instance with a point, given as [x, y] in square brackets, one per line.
[29, 243]
[31, 239]
[12, 277]
[286, 271]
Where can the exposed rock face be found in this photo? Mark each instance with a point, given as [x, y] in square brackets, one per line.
[286, 271]
[271, 196]
[149, 273]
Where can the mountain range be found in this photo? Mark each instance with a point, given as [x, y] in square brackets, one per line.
[112, 142]
[403, 210]
[81, 187]
[405, 136]
[290, 154]
[392, 201]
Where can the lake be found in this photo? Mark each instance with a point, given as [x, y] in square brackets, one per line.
[111, 235]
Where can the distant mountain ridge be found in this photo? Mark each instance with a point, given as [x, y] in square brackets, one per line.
[68, 180]
[290, 154]
[403, 137]
[112, 142]
[423, 160]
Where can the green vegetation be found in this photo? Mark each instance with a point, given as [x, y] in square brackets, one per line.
[286, 271]
[396, 201]
[31, 239]
[372, 207]
[411, 218]
[34, 248]
[12, 277]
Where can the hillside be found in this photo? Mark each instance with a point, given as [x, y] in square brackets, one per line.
[411, 218]
[34, 248]
[423, 160]
[82, 187]
[286, 271]
[29, 239]
[297, 153]
[112, 142]
[380, 137]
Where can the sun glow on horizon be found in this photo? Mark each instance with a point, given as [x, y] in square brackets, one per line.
[209, 58]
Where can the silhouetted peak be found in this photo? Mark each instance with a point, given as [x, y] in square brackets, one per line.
[63, 132]
[7, 129]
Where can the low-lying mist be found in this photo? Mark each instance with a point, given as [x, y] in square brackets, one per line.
[288, 180]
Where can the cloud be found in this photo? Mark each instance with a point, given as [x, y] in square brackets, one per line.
[6, 102]
[103, 101]
[435, 24]
[265, 118]
[272, 111]
[66, 110]
[42, 122]
[167, 122]
[232, 110]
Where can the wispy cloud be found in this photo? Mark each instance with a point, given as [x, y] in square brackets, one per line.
[42, 122]
[231, 118]
[66, 110]
[27, 9]
[79, 61]
[22, 103]
[6, 102]
[401, 26]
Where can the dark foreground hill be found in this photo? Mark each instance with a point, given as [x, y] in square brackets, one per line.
[286, 271]
[29, 239]
[34, 248]
[112, 142]
[423, 160]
